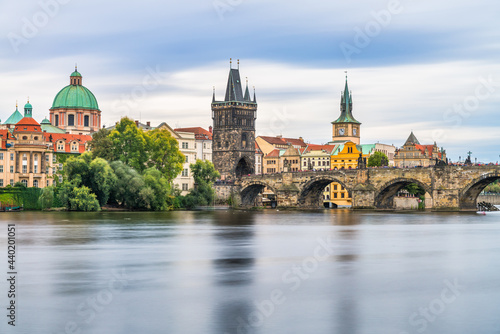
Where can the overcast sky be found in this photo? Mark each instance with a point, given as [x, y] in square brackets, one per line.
[428, 66]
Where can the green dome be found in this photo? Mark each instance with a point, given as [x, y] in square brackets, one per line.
[28, 106]
[75, 96]
[76, 74]
[45, 121]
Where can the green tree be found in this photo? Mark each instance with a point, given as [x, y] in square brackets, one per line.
[203, 193]
[102, 146]
[204, 172]
[164, 153]
[378, 159]
[415, 189]
[82, 199]
[127, 190]
[130, 144]
[47, 197]
[95, 174]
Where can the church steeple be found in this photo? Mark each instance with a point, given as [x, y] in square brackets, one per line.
[346, 127]
[28, 109]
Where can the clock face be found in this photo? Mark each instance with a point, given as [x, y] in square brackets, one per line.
[341, 131]
[354, 131]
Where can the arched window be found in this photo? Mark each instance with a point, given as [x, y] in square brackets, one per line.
[86, 120]
[25, 182]
[244, 140]
[71, 120]
[35, 183]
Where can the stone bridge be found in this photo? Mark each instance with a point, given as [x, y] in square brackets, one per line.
[450, 187]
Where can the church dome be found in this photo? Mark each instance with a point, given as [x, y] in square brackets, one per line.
[75, 96]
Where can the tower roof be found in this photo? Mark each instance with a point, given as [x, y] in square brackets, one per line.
[75, 96]
[14, 118]
[234, 91]
[411, 140]
[346, 107]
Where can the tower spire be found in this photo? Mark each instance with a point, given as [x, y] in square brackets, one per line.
[213, 96]
[254, 98]
[247, 93]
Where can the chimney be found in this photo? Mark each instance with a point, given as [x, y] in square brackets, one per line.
[210, 129]
[148, 123]
[137, 123]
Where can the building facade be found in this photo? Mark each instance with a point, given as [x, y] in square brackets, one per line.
[233, 150]
[413, 154]
[75, 108]
[29, 151]
[203, 142]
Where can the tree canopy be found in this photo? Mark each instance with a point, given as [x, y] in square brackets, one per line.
[378, 159]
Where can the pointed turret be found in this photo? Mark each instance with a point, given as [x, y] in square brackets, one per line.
[247, 93]
[213, 96]
[254, 98]
[234, 91]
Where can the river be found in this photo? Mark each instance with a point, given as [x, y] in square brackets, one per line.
[236, 272]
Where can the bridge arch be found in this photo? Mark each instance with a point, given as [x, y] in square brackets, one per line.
[311, 192]
[468, 195]
[250, 191]
[384, 199]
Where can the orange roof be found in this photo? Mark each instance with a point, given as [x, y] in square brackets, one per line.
[28, 124]
[199, 132]
[295, 142]
[428, 148]
[257, 149]
[273, 154]
[3, 136]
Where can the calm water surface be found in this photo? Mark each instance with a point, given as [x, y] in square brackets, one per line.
[254, 272]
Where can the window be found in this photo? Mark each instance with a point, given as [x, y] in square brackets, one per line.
[35, 138]
[60, 145]
[12, 157]
[1, 156]
[11, 182]
[25, 169]
[60, 178]
[57, 120]
[204, 145]
[334, 187]
[74, 147]
[71, 120]
[334, 195]
[184, 187]
[48, 183]
[187, 158]
[11, 169]
[1, 182]
[35, 169]
[1, 168]
[185, 172]
[86, 120]
[35, 183]
[185, 145]
[54, 158]
[342, 195]
[47, 158]
[25, 182]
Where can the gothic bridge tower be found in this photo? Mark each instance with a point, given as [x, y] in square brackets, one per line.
[233, 147]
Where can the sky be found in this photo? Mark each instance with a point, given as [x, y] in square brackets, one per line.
[423, 66]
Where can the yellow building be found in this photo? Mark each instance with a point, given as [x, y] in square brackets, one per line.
[345, 156]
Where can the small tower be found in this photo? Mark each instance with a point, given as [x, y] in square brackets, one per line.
[346, 127]
[28, 109]
[233, 150]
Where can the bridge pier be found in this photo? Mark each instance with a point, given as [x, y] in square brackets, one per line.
[446, 200]
[363, 197]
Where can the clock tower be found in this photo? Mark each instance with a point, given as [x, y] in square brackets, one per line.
[346, 127]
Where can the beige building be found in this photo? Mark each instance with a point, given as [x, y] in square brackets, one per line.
[187, 145]
[413, 154]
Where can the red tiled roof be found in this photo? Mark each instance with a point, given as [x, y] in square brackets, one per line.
[428, 148]
[295, 142]
[28, 124]
[313, 147]
[273, 154]
[199, 132]
[3, 136]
